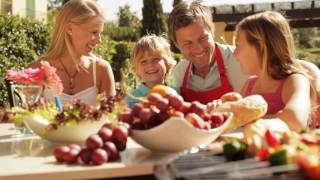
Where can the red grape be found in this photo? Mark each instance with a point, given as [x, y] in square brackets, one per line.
[85, 155]
[111, 150]
[71, 156]
[185, 108]
[120, 133]
[125, 117]
[195, 120]
[121, 145]
[217, 118]
[108, 124]
[163, 116]
[152, 97]
[206, 117]
[105, 134]
[135, 109]
[198, 108]
[207, 125]
[162, 104]
[175, 113]
[99, 156]
[125, 125]
[225, 116]
[60, 151]
[94, 141]
[74, 146]
[175, 101]
[145, 114]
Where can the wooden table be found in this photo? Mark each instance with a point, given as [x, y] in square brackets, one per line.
[30, 157]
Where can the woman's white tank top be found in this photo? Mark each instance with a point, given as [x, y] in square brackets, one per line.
[88, 95]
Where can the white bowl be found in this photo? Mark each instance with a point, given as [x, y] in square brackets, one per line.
[76, 133]
[177, 134]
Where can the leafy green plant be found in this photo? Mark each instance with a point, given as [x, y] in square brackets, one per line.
[22, 40]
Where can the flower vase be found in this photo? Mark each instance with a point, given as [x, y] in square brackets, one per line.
[24, 95]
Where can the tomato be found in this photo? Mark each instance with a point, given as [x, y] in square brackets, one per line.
[271, 139]
[309, 164]
[263, 154]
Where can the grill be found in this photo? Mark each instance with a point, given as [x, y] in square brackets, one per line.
[204, 165]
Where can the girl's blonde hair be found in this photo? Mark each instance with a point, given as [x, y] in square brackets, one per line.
[153, 44]
[269, 32]
[74, 11]
[188, 12]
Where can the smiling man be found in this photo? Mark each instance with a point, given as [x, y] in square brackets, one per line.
[209, 69]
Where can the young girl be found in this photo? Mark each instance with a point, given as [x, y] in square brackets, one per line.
[151, 62]
[265, 49]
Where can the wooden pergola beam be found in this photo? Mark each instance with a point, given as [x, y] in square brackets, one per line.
[290, 14]
[293, 23]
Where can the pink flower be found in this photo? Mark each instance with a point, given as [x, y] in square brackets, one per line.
[45, 75]
[51, 78]
[26, 76]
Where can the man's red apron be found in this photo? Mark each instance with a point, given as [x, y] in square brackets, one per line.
[207, 95]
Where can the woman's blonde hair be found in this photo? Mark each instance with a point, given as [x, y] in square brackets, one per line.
[153, 44]
[269, 32]
[74, 11]
[188, 12]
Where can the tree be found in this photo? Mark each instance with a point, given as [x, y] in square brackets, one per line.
[128, 28]
[153, 18]
[127, 18]
[305, 37]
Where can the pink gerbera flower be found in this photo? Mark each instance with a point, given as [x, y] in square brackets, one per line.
[45, 75]
[51, 78]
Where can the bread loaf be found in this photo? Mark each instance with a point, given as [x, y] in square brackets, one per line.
[231, 96]
[245, 110]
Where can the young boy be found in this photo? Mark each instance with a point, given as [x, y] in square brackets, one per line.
[151, 62]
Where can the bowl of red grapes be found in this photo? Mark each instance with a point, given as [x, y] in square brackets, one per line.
[74, 124]
[164, 122]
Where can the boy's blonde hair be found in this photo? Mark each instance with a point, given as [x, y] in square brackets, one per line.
[188, 12]
[75, 11]
[153, 44]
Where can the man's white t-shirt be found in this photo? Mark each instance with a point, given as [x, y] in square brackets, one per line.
[212, 80]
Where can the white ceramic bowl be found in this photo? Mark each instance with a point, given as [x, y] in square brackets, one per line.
[77, 133]
[177, 134]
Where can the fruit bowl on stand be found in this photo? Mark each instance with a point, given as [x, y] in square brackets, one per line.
[73, 133]
[177, 134]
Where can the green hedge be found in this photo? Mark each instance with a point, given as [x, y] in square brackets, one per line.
[21, 41]
[312, 55]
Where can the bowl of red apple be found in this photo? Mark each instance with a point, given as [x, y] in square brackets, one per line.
[164, 122]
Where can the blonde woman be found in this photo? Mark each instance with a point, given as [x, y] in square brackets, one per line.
[151, 62]
[76, 33]
[265, 50]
